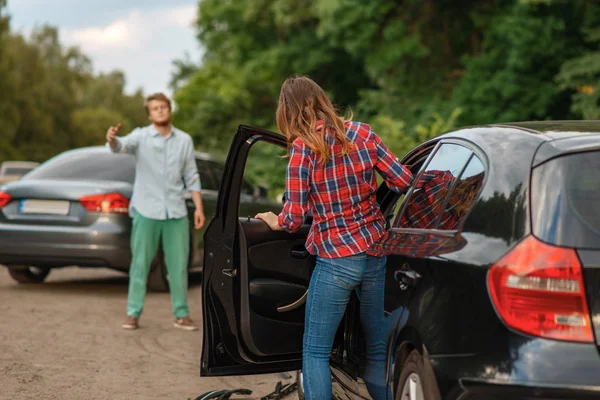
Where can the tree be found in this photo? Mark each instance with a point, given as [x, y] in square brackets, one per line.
[51, 100]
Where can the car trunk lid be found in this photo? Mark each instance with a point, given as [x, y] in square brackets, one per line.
[565, 204]
[60, 202]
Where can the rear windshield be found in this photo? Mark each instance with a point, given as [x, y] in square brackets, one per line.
[87, 165]
[16, 170]
[566, 201]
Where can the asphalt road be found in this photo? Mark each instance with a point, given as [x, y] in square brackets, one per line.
[62, 340]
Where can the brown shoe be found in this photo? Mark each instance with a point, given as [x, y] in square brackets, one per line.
[185, 323]
[130, 323]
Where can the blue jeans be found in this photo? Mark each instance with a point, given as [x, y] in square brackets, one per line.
[331, 284]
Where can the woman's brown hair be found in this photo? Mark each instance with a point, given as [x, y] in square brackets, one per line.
[302, 103]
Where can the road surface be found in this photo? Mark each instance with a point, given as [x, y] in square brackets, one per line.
[62, 340]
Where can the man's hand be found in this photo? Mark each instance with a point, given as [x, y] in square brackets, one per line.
[271, 219]
[111, 134]
[199, 218]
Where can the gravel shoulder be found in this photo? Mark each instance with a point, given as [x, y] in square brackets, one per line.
[62, 340]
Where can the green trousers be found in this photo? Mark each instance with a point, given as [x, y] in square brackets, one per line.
[145, 237]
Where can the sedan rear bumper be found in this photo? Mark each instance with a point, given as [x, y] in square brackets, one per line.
[103, 244]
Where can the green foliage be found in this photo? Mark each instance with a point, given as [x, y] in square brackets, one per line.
[411, 69]
[51, 101]
[581, 75]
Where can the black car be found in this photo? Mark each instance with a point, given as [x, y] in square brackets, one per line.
[496, 297]
[73, 210]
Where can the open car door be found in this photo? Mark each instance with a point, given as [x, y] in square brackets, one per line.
[255, 280]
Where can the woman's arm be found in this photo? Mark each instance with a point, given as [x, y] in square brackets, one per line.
[296, 204]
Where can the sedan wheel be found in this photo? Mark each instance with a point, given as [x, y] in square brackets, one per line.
[28, 274]
[300, 382]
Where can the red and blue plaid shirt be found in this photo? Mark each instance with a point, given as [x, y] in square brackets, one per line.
[341, 193]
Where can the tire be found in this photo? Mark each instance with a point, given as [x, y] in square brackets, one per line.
[158, 279]
[300, 385]
[415, 383]
[28, 274]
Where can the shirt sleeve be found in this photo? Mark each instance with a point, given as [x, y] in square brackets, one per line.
[127, 144]
[397, 176]
[190, 169]
[296, 204]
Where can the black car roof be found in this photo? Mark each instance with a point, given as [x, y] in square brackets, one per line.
[562, 137]
[540, 140]
[557, 129]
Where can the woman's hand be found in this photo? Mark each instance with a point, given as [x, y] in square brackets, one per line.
[271, 219]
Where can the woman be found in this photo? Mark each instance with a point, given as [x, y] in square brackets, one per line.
[331, 173]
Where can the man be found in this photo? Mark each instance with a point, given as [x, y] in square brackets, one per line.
[164, 162]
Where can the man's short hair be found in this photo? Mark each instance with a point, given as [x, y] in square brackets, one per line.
[157, 96]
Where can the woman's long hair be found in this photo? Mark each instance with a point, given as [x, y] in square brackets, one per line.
[302, 104]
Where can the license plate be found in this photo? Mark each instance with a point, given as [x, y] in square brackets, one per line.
[52, 207]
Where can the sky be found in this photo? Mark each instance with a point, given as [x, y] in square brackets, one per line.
[138, 37]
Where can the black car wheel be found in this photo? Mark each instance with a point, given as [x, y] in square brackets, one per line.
[158, 279]
[300, 386]
[414, 383]
[28, 274]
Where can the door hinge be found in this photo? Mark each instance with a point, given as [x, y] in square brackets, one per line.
[232, 273]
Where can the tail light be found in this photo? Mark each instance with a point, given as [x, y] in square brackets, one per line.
[114, 203]
[538, 289]
[5, 198]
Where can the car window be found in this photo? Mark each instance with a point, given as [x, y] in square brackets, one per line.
[263, 183]
[95, 165]
[565, 201]
[217, 170]
[463, 195]
[206, 178]
[247, 188]
[16, 170]
[426, 199]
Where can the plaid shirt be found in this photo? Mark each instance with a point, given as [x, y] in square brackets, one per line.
[341, 193]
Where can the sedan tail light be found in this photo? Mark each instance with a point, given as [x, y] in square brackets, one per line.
[114, 203]
[5, 198]
[538, 289]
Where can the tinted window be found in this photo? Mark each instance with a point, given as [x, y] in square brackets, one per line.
[16, 171]
[463, 195]
[217, 172]
[98, 165]
[565, 198]
[425, 202]
[206, 178]
[247, 188]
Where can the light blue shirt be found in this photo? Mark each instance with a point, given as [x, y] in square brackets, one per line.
[162, 167]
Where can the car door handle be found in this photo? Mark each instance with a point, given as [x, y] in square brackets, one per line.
[406, 278]
[300, 254]
[297, 304]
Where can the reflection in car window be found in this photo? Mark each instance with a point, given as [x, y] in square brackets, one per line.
[427, 198]
[86, 164]
[206, 178]
[463, 195]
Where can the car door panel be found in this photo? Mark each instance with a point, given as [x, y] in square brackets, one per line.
[252, 277]
[272, 278]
